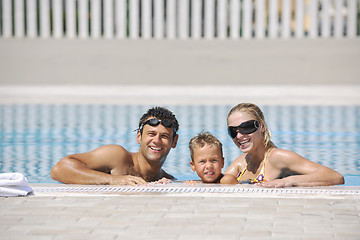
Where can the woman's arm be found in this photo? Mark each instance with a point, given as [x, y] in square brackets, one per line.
[228, 179]
[310, 173]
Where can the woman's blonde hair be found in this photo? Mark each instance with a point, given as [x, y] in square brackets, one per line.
[256, 112]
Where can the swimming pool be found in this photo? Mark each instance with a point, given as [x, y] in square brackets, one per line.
[35, 136]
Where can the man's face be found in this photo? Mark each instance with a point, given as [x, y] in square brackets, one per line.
[156, 142]
[207, 162]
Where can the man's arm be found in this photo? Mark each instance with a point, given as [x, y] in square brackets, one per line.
[94, 167]
[166, 175]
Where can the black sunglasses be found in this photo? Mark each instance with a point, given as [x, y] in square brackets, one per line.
[247, 127]
[154, 122]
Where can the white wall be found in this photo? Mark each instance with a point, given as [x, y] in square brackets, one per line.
[304, 61]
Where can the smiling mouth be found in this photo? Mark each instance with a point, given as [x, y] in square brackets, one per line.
[244, 142]
[209, 173]
[155, 148]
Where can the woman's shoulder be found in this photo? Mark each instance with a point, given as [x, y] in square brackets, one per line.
[282, 153]
[236, 166]
[240, 159]
[282, 157]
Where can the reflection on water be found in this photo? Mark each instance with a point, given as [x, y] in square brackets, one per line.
[35, 137]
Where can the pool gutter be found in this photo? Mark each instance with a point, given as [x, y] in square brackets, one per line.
[208, 190]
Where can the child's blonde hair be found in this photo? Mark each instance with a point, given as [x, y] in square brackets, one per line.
[201, 140]
[256, 112]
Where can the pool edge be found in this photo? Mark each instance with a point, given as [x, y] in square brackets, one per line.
[203, 190]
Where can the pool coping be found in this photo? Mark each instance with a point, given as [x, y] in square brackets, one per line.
[203, 190]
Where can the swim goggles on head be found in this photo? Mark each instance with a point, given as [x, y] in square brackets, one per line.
[247, 127]
[154, 122]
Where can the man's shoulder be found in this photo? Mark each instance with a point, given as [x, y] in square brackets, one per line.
[115, 155]
[114, 147]
[112, 150]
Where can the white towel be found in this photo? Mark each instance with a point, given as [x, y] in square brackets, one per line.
[14, 185]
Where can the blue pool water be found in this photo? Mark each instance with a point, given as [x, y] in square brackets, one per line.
[35, 137]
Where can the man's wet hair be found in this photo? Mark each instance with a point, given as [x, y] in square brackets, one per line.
[160, 113]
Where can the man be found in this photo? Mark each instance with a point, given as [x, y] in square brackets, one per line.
[114, 165]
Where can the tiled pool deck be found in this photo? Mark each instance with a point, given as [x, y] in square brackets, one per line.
[177, 211]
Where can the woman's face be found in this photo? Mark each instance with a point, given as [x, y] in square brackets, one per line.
[245, 142]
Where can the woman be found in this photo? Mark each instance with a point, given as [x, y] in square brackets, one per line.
[265, 164]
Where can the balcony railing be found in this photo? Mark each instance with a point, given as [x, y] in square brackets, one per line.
[179, 19]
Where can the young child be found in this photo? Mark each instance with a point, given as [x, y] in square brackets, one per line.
[207, 159]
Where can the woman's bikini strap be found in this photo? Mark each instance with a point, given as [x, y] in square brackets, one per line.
[241, 173]
[262, 169]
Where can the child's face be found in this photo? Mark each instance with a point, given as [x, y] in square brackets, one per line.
[207, 162]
